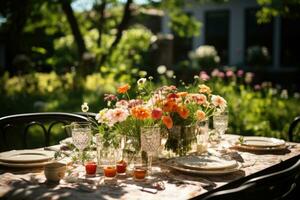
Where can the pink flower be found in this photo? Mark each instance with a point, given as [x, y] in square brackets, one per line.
[215, 73]
[135, 102]
[156, 113]
[257, 87]
[203, 76]
[221, 75]
[119, 114]
[240, 73]
[218, 101]
[122, 104]
[110, 97]
[200, 99]
[229, 73]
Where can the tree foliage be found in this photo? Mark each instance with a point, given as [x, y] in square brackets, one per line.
[272, 8]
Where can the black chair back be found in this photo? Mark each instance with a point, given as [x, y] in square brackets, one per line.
[21, 123]
[293, 127]
[277, 185]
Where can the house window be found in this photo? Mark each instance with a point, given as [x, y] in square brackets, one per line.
[257, 35]
[217, 32]
[290, 43]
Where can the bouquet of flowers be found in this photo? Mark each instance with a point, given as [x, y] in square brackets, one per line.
[166, 106]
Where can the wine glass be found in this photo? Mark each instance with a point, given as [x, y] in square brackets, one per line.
[220, 123]
[150, 142]
[81, 136]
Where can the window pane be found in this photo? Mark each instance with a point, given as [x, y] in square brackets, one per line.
[290, 42]
[217, 32]
[258, 34]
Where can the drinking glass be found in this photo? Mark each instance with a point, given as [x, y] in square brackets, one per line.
[150, 141]
[220, 123]
[81, 136]
[202, 135]
[139, 167]
[108, 162]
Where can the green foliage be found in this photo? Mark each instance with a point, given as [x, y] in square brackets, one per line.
[182, 23]
[267, 111]
[273, 8]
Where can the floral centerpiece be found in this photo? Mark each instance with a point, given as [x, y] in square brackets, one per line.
[168, 107]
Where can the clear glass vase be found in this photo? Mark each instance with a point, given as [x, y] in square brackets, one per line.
[180, 139]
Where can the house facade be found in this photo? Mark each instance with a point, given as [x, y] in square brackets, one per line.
[232, 28]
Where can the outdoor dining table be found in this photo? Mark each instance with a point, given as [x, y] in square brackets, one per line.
[165, 183]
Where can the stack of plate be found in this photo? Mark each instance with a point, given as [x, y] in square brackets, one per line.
[255, 143]
[25, 158]
[204, 164]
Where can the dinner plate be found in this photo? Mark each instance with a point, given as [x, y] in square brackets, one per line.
[173, 165]
[26, 156]
[24, 165]
[205, 162]
[255, 141]
[254, 148]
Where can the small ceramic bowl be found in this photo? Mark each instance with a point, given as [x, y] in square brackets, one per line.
[55, 171]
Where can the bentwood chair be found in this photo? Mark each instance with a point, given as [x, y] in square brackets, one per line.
[16, 127]
[278, 185]
[293, 127]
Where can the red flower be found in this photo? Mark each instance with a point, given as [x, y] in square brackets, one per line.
[156, 113]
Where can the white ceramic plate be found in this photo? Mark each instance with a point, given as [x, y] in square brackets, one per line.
[255, 141]
[26, 156]
[207, 162]
[172, 164]
[24, 165]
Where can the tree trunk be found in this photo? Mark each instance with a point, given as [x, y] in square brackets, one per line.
[101, 21]
[122, 26]
[18, 18]
[66, 6]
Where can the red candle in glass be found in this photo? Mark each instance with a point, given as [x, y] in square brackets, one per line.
[110, 171]
[90, 168]
[139, 173]
[121, 167]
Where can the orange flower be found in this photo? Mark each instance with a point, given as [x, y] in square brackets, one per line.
[123, 89]
[200, 115]
[182, 94]
[140, 112]
[167, 120]
[170, 106]
[183, 112]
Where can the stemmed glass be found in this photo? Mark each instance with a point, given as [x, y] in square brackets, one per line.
[81, 136]
[150, 142]
[220, 123]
